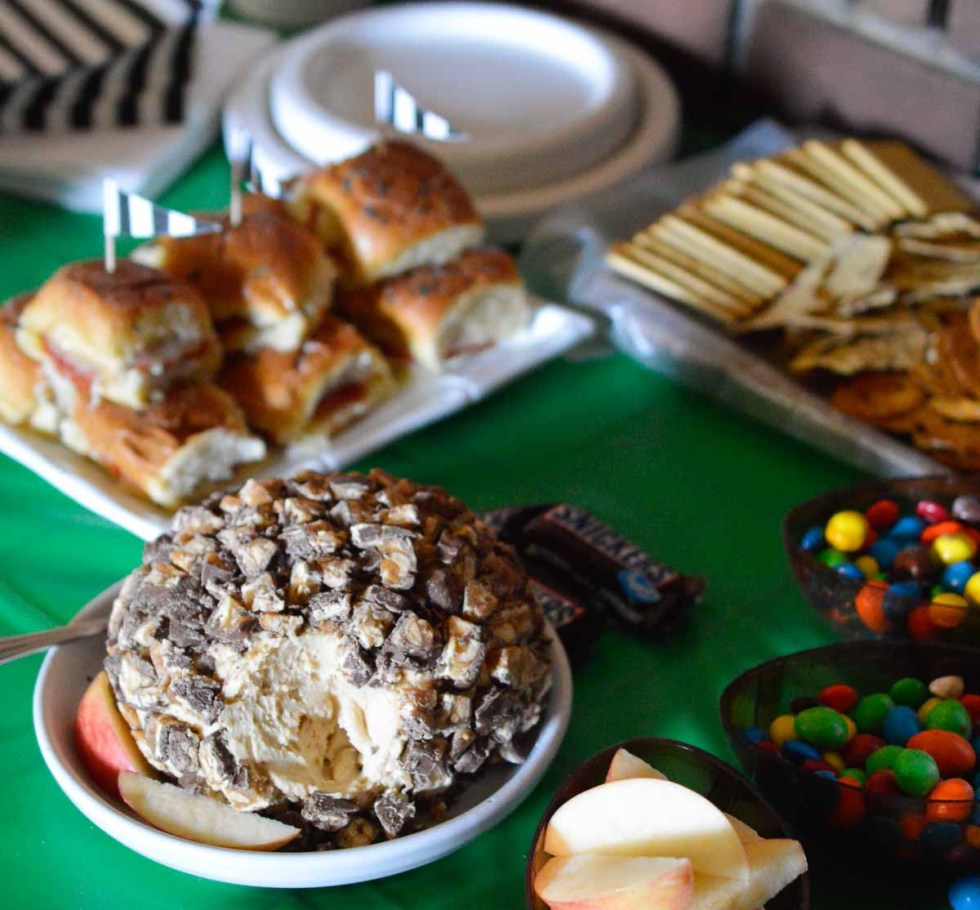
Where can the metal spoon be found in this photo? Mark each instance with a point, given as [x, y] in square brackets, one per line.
[15, 646]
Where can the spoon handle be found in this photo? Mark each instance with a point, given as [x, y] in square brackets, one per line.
[15, 646]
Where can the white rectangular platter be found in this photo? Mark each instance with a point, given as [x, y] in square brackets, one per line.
[422, 399]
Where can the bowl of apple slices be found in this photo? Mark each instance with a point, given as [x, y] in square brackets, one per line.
[656, 824]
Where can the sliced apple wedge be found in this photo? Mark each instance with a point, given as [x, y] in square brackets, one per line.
[648, 817]
[102, 737]
[200, 818]
[745, 832]
[595, 882]
[773, 863]
[626, 766]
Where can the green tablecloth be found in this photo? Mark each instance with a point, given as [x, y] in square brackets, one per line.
[695, 484]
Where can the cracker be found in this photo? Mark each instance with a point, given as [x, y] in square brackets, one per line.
[856, 182]
[968, 253]
[697, 286]
[943, 225]
[802, 213]
[778, 176]
[859, 264]
[864, 158]
[707, 248]
[954, 443]
[704, 270]
[880, 298]
[890, 351]
[819, 171]
[662, 285]
[768, 256]
[878, 396]
[959, 410]
[938, 193]
[795, 304]
[957, 348]
[777, 233]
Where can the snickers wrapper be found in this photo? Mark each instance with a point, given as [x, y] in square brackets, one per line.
[583, 572]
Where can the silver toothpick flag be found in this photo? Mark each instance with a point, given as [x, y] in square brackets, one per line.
[129, 215]
[396, 108]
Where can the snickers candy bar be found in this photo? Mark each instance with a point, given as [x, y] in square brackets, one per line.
[574, 558]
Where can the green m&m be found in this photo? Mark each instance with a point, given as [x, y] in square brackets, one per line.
[915, 772]
[821, 726]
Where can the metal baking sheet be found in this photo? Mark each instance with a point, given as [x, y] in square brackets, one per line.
[563, 259]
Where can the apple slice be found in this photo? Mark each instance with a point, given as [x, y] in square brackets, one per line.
[773, 863]
[201, 818]
[626, 766]
[103, 739]
[647, 817]
[746, 833]
[595, 882]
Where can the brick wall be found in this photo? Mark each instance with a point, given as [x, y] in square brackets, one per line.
[909, 68]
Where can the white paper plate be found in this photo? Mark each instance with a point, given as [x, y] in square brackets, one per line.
[423, 399]
[491, 796]
[509, 215]
[540, 98]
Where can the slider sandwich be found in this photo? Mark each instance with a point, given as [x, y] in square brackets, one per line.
[267, 281]
[438, 312]
[332, 380]
[389, 210]
[126, 336]
[172, 451]
[26, 396]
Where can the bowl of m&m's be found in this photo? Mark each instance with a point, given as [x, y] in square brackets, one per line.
[867, 748]
[893, 559]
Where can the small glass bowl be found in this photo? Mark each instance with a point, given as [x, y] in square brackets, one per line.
[854, 607]
[852, 823]
[686, 765]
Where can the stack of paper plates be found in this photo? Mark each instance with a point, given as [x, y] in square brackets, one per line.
[551, 109]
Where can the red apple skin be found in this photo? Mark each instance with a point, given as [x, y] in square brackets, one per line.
[670, 890]
[103, 740]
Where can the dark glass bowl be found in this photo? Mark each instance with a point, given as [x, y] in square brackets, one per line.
[857, 825]
[854, 607]
[686, 765]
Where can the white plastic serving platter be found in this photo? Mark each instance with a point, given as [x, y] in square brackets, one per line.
[485, 802]
[422, 399]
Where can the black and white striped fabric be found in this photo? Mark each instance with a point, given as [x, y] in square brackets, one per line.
[396, 108]
[86, 64]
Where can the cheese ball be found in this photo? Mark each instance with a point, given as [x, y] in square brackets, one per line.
[343, 649]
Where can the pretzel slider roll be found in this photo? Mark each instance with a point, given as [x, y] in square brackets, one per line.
[126, 335]
[267, 282]
[26, 396]
[171, 451]
[436, 312]
[335, 378]
[387, 211]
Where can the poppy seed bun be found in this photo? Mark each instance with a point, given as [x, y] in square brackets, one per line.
[389, 210]
[333, 379]
[26, 396]
[437, 312]
[126, 335]
[269, 275]
[176, 448]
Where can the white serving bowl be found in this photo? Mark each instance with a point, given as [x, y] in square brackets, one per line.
[66, 673]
